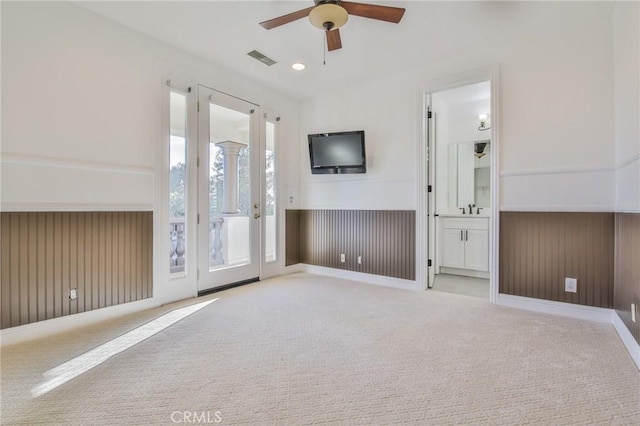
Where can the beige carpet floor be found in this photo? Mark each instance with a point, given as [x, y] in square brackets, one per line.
[303, 349]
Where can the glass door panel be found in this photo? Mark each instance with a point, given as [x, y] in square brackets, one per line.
[177, 183]
[270, 251]
[228, 190]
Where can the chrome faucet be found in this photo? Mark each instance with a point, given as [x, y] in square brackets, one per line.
[471, 206]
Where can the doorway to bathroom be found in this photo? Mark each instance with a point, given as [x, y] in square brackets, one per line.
[460, 206]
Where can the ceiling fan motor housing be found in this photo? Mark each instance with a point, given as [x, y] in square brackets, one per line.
[319, 2]
[328, 15]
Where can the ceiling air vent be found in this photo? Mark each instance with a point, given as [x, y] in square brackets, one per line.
[261, 57]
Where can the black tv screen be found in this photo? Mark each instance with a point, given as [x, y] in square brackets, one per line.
[337, 153]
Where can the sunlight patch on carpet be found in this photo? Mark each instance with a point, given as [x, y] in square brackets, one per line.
[71, 369]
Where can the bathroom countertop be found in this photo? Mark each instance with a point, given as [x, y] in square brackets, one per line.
[481, 215]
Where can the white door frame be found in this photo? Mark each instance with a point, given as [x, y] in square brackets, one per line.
[424, 210]
[168, 288]
[270, 269]
[210, 280]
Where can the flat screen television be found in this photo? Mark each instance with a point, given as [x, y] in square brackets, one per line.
[337, 153]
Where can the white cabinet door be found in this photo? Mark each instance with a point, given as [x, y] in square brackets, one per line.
[476, 250]
[453, 248]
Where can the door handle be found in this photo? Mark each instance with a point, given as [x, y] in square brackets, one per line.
[461, 235]
[256, 215]
[466, 235]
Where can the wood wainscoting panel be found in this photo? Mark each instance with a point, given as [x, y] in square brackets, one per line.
[385, 239]
[292, 237]
[627, 270]
[539, 249]
[106, 256]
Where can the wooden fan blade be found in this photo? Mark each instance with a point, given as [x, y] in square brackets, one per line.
[285, 19]
[333, 40]
[373, 11]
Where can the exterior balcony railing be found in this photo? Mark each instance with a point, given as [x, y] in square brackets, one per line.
[229, 241]
[178, 243]
[177, 246]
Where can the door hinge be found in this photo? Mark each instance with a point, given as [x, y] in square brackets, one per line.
[198, 106]
[429, 262]
[198, 274]
[198, 162]
[429, 115]
[198, 219]
[429, 188]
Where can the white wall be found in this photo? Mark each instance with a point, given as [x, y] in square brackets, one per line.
[80, 91]
[626, 48]
[556, 122]
[464, 122]
[76, 110]
[380, 110]
[81, 115]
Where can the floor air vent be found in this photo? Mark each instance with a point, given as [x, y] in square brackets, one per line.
[261, 57]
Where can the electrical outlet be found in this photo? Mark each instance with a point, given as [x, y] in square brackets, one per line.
[73, 294]
[571, 285]
[359, 260]
[633, 312]
[342, 258]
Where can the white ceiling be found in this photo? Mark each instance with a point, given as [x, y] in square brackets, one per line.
[223, 32]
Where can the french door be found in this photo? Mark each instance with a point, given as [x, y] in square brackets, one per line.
[229, 195]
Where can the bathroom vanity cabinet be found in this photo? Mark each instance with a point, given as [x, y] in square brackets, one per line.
[465, 245]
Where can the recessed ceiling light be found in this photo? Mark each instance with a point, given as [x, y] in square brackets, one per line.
[298, 66]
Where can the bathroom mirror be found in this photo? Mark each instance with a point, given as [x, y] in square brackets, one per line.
[469, 177]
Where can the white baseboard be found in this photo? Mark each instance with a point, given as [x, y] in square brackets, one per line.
[625, 335]
[359, 276]
[53, 326]
[292, 269]
[589, 313]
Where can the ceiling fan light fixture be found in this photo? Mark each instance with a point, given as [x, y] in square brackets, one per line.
[480, 148]
[328, 16]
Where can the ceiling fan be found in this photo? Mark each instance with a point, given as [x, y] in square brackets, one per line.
[330, 15]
